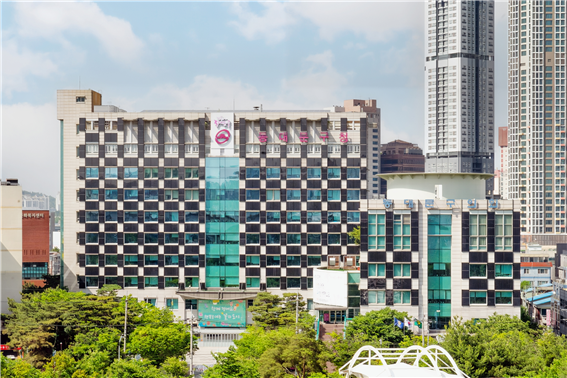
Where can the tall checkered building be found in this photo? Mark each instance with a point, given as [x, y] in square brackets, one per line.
[178, 207]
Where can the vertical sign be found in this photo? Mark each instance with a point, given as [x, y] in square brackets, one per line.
[222, 134]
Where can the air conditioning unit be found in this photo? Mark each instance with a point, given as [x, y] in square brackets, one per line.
[350, 261]
[332, 262]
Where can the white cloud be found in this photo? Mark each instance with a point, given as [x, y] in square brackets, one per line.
[57, 21]
[30, 146]
[19, 63]
[375, 21]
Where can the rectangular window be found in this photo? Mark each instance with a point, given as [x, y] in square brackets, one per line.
[477, 232]
[171, 216]
[313, 239]
[192, 260]
[314, 260]
[192, 173]
[252, 195]
[171, 195]
[252, 282]
[131, 282]
[293, 283]
[477, 270]
[150, 195]
[334, 239]
[503, 297]
[110, 216]
[333, 195]
[293, 195]
[130, 216]
[273, 282]
[192, 195]
[171, 260]
[110, 260]
[150, 173]
[192, 282]
[353, 217]
[376, 231]
[477, 297]
[150, 217]
[150, 238]
[333, 173]
[150, 260]
[172, 282]
[272, 195]
[294, 173]
[91, 260]
[402, 270]
[376, 270]
[171, 173]
[91, 194]
[353, 195]
[91, 238]
[314, 195]
[353, 173]
[272, 239]
[402, 297]
[503, 232]
[91, 173]
[91, 281]
[91, 216]
[272, 173]
[191, 238]
[111, 173]
[313, 217]
[130, 238]
[252, 217]
[273, 217]
[150, 282]
[252, 173]
[313, 173]
[171, 304]
[376, 297]
[172, 238]
[130, 173]
[334, 217]
[111, 238]
[293, 217]
[131, 260]
[191, 217]
[503, 270]
[252, 238]
[253, 260]
[402, 232]
[130, 194]
[293, 239]
[272, 260]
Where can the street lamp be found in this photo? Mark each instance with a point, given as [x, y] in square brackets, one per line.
[437, 318]
[191, 320]
[121, 336]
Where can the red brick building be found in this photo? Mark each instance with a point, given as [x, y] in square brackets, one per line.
[35, 246]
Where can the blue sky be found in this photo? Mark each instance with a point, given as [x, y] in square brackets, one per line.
[194, 55]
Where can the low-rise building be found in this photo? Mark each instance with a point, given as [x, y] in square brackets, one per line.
[536, 273]
[35, 246]
[11, 245]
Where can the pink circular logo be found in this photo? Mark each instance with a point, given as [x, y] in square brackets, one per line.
[222, 136]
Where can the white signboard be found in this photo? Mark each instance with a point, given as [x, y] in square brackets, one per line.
[330, 287]
[222, 134]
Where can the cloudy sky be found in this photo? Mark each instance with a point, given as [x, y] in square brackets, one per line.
[195, 55]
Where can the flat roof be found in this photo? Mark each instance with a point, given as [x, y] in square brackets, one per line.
[389, 176]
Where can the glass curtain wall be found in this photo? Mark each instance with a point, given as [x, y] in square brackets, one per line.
[222, 230]
[439, 269]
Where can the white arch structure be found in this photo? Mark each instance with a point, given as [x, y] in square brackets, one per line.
[395, 362]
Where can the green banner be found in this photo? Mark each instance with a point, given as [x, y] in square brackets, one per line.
[222, 313]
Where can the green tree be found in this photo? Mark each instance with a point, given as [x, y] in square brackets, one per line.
[17, 368]
[355, 235]
[272, 311]
[525, 285]
[62, 365]
[157, 343]
[132, 369]
[175, 368]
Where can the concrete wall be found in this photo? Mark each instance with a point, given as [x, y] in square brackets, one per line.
[10, 244]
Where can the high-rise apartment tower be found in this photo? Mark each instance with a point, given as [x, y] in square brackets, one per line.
[536, 113]
[459, 77]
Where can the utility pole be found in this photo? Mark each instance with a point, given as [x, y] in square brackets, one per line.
[125, 322]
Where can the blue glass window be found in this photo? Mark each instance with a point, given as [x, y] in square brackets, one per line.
[150, 195]
[131, 282]
[191, 217]
[130, 173]
[173, 195]
[333, 195]
[130, 194]
[293, 216]
[150, 217]
[272, 238]
[293, 282]
[111, 173]
[353, 195]
[150, 260]
[273, 195]
[314, 195]
[191, 238]
[110, 260]
[293, 260]
[91, 173]
[252, 238]
[150, 173]
[272, 217]
[252, 195]
[91, 238]
[150, 238]
[92, 260]
[313, 173]
[111, 238]
[334, 217]
[192, 173]
[171, 216]
[273, 282]
[111, 216]
[91, 194]
[353, 217]
[313, 238]
[272, 260]
[333, 173]
[272, 173]
[293, 239]
[130, 216]
[191, 260]
[313, 217]
[353, 173]
[252, 216]
[151, 282]
[91, 216]
[252, 282]
[293, 173]
[172, 238]
[252, 173]
[334, 239]
[293, 195]
[91, 281]
[314, 260]
[130, 238]
[171, 173]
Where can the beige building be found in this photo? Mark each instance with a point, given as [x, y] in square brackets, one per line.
[10, 241]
